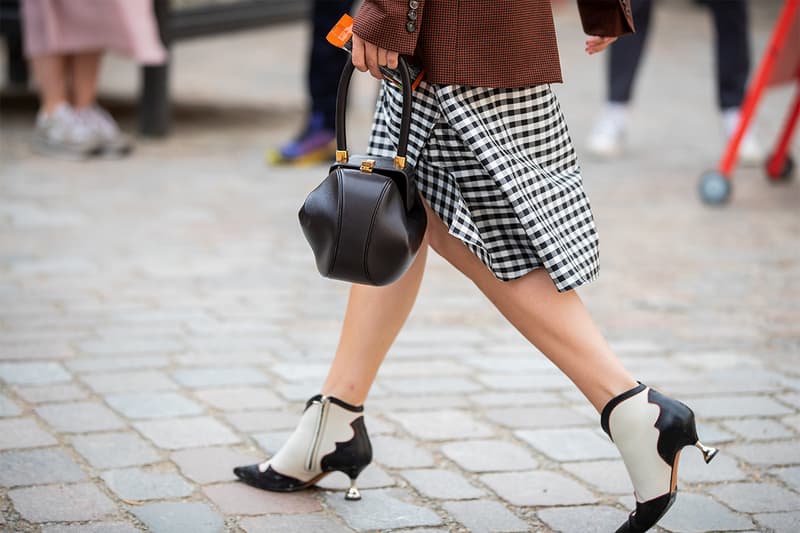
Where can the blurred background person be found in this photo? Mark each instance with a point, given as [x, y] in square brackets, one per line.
[317, 140]
[64, 41]
[732, 68]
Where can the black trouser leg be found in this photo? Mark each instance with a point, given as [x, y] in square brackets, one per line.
[733, 50]
[626, 53]
[326, 62]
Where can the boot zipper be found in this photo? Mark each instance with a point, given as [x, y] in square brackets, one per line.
[312, 452]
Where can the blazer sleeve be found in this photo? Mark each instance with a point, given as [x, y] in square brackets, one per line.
[606, 18]
[390, 24]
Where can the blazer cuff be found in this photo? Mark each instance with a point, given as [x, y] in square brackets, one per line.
[606, 18]
[390, 24]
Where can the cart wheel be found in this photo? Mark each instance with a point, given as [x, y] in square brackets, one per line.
[715, 189]
[786, 173]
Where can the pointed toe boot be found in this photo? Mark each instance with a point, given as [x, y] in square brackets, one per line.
[331, 437]
[650, 430]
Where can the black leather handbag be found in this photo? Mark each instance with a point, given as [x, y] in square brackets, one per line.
[365, 222]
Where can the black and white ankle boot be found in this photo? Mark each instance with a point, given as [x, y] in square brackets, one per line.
[330, 437]
[650, 430]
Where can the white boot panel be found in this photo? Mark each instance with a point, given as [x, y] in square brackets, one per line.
[632, 427]
[322, 425]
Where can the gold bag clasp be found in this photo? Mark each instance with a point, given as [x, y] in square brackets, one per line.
[368, 165]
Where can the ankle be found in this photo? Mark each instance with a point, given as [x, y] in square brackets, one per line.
[347, 395]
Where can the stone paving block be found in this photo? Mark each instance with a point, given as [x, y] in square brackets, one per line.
[176, 433]
[96, 527]
[153, 405]
[119, 345]
[61, 503]
[525, 382]
[395, 452]
[485, 400]
[421, 386]
[583, 519]
[33, 373]
[573, 444]
[304, 372]
[713, 435]
[373, 477]
[87, 365]
[133, 381]
[316, 523]
[115, 450]
[792, 399]
[179, 517]
[537, 488]
[442, 484]
[484, 516]
[135, 484]
[489, 455]
[38, 467]
[442, 425]
[79, 417]
[790, 476]
[424, 369]
[270, 420]
[758, 428]
[23, 433]
[397, 403]
[213, 464]
[780, 522]
[530, 363]
[767, 453]
[239, 499]
[272, 441]
[8, 407]
[51, 393]
[693, 469]
[792, 421]
[698, 513]
[737, 406]
[757, 497]
[240, 398]
[606, 476]
[538, 417]
[300, 392]
[196, 378]
[382, 509]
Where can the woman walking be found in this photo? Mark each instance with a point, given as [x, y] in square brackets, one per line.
[506, 207]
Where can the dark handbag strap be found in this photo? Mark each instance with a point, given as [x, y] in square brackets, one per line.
[341, 105]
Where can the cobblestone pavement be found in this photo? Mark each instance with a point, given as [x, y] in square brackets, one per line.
[162, 321]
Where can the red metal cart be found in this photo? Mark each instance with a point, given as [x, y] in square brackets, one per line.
[781, 64]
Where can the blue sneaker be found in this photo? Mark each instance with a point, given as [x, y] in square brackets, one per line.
[316, 144]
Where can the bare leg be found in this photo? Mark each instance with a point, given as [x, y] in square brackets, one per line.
[372, 321]
[85, 68]
[50, 73]
[556, 323]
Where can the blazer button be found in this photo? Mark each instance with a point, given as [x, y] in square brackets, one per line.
[411, 27]
[413, 4]
[412, 15]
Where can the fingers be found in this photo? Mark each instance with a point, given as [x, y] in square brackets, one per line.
[598, 44]
[371, 57]
[367, 56]
[358, 58]
[391, 59]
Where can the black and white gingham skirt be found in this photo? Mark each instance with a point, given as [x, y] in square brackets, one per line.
[499, 168]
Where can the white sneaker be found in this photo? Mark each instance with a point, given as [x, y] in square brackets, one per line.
[113, 142]
[62, 134]
[608, 136]
[750, 151]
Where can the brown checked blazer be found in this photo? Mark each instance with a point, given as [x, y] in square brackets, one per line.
[485, 43]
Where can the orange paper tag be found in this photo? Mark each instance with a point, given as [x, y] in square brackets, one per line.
[342, 32]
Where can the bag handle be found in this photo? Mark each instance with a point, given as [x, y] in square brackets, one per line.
[341, 103]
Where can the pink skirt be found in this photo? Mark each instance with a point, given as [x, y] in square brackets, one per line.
[69, 26]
